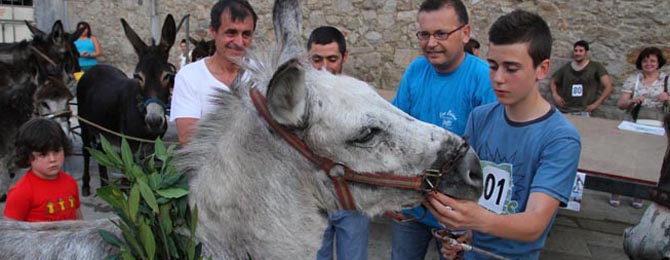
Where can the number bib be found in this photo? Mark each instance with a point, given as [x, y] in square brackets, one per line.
[497, 187]
[577, 90]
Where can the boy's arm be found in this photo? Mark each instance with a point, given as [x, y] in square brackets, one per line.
[525, 226]
[17, 206]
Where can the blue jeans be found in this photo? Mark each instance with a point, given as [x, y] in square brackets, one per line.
[351, 229]
[410, 240]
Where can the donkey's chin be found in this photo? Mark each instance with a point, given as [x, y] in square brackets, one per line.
[156, 124]
[465, 182]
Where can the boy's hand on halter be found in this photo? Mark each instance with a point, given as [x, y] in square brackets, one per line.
[457, 214]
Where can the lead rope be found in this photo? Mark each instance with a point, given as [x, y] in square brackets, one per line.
[41, 54]
[444, 237]
[119, 134]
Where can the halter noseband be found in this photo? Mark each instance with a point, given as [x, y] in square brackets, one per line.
[428, 181]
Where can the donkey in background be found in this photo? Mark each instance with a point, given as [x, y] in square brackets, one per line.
[34, 80]
[202, 49]
[133, 107]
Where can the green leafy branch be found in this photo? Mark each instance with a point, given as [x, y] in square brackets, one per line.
[151, 201]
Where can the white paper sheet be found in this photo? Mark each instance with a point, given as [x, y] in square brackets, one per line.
[640, 128]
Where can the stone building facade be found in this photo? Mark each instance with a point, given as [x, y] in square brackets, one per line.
[380, 33]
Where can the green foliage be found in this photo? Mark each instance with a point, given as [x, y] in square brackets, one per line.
[151, 202]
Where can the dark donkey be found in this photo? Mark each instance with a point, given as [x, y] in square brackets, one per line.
[33, 79]
[134, 107]
[202, 49]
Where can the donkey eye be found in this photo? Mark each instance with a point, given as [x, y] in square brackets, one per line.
[168, 77]
[367, 135]
[139, 78]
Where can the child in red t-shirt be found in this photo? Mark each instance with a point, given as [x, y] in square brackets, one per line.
[45, 193]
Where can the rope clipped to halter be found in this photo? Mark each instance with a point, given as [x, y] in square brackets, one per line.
[341, 178]
[41, 54]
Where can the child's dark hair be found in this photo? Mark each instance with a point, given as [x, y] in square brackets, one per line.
[39, 135]
[523, 27]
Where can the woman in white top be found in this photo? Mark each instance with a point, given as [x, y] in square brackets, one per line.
[648, 89]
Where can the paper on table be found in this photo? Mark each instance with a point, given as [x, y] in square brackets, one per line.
[630, 126]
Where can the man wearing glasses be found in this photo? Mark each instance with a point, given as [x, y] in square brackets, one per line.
[440, 88]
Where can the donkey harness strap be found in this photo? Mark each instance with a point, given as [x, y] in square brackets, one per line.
[340, 182]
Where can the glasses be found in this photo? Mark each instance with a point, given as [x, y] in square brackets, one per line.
[439, 35]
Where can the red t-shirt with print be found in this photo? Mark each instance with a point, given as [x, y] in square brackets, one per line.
[34, 199]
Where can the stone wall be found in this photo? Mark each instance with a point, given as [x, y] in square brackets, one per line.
[380, 33]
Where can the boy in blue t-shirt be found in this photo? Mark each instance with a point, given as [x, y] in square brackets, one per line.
[528, 150]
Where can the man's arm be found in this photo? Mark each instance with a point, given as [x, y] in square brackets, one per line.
[525, 226]
[185, 127]
[554, 93]
[607, 84]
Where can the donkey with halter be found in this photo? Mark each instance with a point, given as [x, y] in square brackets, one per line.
[281, 150]
[134, 107]
[35, 80]
[293, 143]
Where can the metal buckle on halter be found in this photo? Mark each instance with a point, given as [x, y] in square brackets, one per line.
[431, 177]
[62, 113]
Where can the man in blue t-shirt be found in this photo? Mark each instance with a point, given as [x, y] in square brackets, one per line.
[440, 88]
[529, 151]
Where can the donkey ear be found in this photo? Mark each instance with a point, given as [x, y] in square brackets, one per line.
[192, 40]
[135, 40]
[57, 33]
[75, 35]
[36, 32]
[286, 94]
[168, 33]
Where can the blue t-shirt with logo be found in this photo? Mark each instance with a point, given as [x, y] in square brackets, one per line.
[443, 99]
[517, 159]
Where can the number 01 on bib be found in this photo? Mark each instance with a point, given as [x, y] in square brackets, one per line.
[497, 187]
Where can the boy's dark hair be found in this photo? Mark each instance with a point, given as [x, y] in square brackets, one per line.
[646, 52]
[182, 41]
[471, 46]
[87, 26]
[239, 10]
[582, 43]
[434, 5]
[325, 35]
[39, 135]
[523, 27]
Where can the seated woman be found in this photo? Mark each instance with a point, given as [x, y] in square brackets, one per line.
[648, 90]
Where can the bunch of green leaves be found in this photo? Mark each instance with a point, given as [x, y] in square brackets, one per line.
[151, 201]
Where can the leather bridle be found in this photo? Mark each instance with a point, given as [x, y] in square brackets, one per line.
[428, 181]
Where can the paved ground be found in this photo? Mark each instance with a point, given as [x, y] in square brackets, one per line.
[594, 233]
